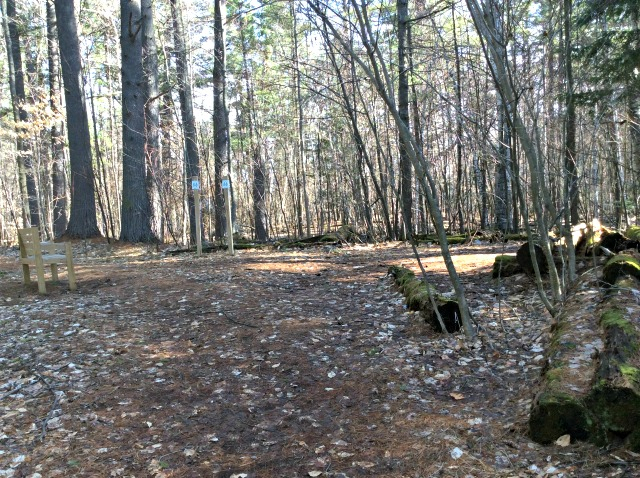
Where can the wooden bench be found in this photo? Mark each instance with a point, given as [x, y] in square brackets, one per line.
[36, 253]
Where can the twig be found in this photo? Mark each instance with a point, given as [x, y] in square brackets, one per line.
[11, 392]
[52, 409]
[237, 321]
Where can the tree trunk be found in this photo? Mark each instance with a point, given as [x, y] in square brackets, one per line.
[82, 221]
[152, 118]
[406, 190]
[192, 156]
[30, 212]
[58, 180]
[301, 180]
[220, 125]
[135, 216]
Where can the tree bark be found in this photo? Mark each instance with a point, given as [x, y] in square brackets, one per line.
[82, 221]
[220, 125]
[29, 194]
[406, 191]
[152, 118]
[135, 215]
[192, 156]
[58, 180]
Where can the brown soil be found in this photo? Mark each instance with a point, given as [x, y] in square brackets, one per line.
[271, 364]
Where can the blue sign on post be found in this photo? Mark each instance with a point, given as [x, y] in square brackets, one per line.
[195, 185]
[226, 184]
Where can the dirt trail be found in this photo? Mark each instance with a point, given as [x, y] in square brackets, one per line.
[270, 364]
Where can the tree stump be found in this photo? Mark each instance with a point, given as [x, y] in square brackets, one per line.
[417, 293]
[523, 257]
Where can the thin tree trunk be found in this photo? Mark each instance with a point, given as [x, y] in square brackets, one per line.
[301, 180]
[220, 124]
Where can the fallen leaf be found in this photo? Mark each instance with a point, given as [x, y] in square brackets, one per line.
[564, 440]
[456, 396]
[315, 473]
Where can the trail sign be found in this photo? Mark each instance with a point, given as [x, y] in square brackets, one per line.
[195, 185]
[226, 184]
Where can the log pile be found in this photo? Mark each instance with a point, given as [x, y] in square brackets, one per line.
[417, 296]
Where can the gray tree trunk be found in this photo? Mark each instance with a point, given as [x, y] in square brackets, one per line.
[29, 193]
[58, 178]
[406, 191]
[135, 214]
[152, 117]
[220, 125]
[192, 155]
[82, 220]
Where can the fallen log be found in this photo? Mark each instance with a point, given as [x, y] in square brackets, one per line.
[619, 266]
[417, 298]
[505, 266]
[590, 388]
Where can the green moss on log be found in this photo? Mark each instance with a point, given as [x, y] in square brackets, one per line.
[416, 294]
[505, 266]
[555, 414]
[633, 232]
[619, 266]
[432, 238]
[615, 318]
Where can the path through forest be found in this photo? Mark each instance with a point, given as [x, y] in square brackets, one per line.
[271, 364]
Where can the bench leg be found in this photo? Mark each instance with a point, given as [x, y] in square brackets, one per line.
[54, 272]
[71, 273]
[42, 288]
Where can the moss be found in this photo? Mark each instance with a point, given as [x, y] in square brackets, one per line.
[555, 414]
[630, 373]
[505, 266]
[454, 239]
[615, 318]
[633, 232]
[619, 266]
[515, 237]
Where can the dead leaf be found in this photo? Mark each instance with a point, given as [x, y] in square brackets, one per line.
[456, 396]
[315, 473]
[564, 440]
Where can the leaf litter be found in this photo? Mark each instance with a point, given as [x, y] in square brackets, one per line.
[289, 363]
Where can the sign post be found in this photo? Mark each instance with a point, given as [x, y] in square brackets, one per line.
[195, 186]
[226, 187]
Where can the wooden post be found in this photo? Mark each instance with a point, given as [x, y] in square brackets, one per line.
[226, 187]
[195, 185]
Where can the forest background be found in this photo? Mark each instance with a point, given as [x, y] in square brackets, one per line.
[465, 116]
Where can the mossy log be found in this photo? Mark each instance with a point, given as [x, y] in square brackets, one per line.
[523, 257]
[505, 266]
[591, 386]
[417, 293]
[619, 266]
[633, 233]
[433, 239]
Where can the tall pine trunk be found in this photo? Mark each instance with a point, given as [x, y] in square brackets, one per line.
[192, 156]
[152, 117]
[135, 215]
[403, 110]
[82, 221]
[58, 180]
[30, 212]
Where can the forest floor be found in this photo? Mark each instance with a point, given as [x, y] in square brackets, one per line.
[272, 364]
